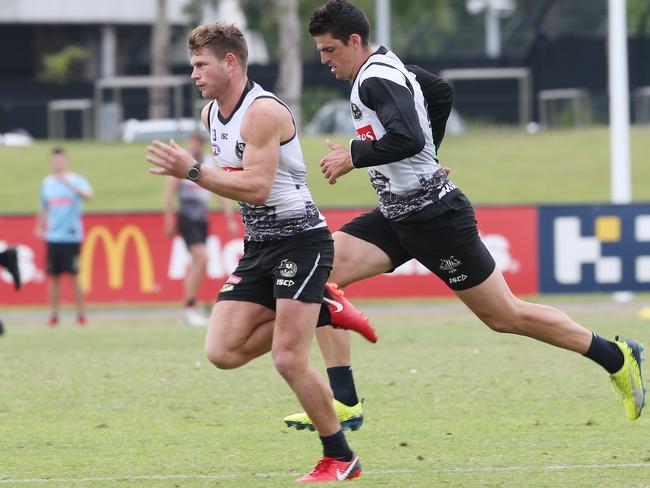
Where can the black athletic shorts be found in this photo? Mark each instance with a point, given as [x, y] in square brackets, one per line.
[192, 231]
[446, 243]
[295, 267]
[62, 257]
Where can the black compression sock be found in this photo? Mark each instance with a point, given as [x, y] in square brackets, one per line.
[190, 302]
[324, 316]
[342, 384]
[605, 353]
[336, 446]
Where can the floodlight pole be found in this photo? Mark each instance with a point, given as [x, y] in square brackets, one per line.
[619, 100]
[492, 32]
[382, 9]
[108, 58]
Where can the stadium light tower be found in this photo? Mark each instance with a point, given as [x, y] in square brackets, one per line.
[619, 99]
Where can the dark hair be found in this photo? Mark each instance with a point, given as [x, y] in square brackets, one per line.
[340, 19]
[57, 150]
[221, 38]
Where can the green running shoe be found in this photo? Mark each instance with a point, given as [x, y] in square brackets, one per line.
[627, 381]
[350, 417]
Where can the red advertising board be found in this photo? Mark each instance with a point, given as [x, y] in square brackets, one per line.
[128, 258]
[510, 233]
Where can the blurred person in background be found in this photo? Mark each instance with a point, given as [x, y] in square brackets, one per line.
[191, 220]
[421, 213]
[59, 223]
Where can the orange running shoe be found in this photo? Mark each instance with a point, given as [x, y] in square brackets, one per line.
[345, 315]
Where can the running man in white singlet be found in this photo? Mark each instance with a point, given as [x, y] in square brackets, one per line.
[272, 300]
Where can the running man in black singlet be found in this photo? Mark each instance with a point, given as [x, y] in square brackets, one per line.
[421, 213]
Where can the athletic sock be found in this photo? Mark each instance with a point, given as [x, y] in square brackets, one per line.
[190, 302]
[324, 316]
[336, 446]
[606, 353]
[342, 384]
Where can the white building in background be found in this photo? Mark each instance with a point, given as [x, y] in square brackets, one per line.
[108, 16]
[88, 12]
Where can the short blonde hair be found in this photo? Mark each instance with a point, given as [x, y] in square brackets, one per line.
[221, 38]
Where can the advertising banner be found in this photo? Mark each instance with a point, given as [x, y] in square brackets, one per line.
[124, 258]
[510, 234]
[128, 258]
[594, 248]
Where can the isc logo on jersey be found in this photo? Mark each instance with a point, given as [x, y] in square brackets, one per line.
[366, 133]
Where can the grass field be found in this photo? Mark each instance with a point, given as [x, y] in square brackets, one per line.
[448, 403]
[491, 166]
[130, 401]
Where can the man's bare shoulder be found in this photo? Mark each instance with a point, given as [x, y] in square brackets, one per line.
[267, 107]
[266, 114]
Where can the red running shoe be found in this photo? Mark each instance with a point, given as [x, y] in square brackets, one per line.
[53, 321]
[345, 315]
[331, 469]
[81, 320]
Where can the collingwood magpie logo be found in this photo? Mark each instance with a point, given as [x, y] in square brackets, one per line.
[449, 264]
[356, 113]
[239, 149]
[288, 269]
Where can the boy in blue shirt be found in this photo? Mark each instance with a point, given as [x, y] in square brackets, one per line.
[59, 224]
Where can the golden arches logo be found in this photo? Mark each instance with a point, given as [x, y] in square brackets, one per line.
[115, 251]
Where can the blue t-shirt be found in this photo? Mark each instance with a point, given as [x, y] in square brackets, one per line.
[63, 207]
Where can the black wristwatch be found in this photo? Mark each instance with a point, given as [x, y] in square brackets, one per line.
[194, 172]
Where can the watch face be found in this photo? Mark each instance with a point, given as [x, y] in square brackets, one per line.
[193, 173]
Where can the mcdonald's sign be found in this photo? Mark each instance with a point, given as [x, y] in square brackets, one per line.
[115, 251]
[127, 258]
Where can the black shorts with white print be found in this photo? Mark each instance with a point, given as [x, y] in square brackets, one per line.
[295, 267]
[446, 242]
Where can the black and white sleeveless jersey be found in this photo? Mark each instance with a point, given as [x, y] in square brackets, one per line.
[289, 208]
[394, 139]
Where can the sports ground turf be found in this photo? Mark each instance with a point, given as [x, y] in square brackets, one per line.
[129, 401]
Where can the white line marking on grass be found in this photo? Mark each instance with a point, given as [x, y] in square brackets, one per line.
[550, 467]
[98, 479]
[460, 470]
